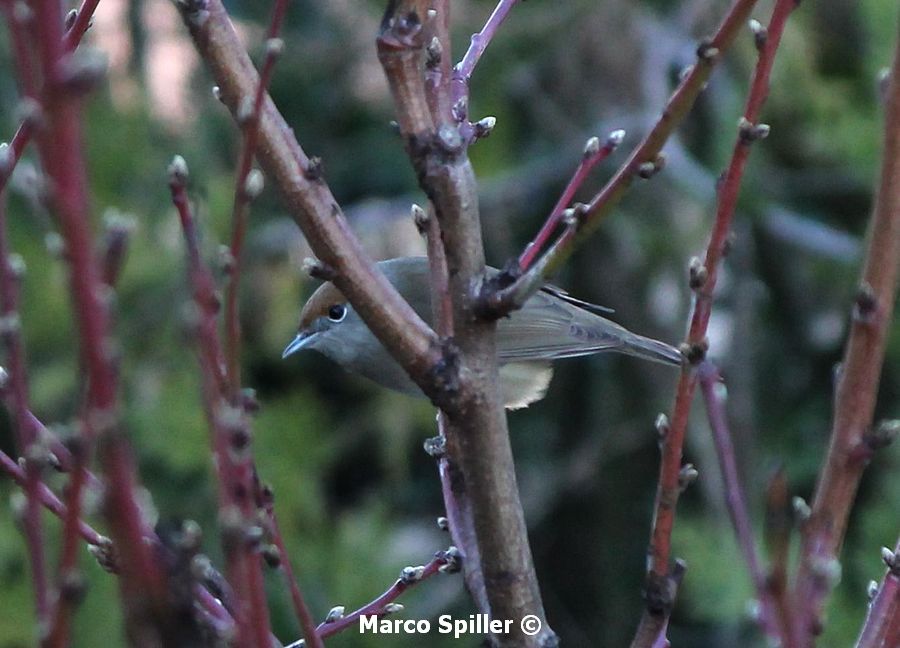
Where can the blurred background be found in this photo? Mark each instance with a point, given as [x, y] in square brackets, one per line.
[356, 495]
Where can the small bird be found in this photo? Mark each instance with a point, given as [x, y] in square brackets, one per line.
[551, 325]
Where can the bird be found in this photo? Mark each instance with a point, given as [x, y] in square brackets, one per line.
[550, 325]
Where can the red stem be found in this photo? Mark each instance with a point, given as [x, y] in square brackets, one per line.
[242, 198]
[230, 438]
[25, 131]
[696, 340]
[301, 610]
[587, 164]
[61, 154]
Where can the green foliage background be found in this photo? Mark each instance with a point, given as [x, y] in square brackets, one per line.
[356, 495]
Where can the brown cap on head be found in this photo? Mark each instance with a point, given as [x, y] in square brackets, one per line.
[326, 296]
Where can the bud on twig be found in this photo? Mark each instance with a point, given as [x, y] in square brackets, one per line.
[274, 47]
[254, 184]
[335, 614]
[453, 559]
[750, 132]
[647, 170]
[591, 147]
[410, 575]
[392, 608]
[801, 509]
[484, 127]
[871, 589]
[420, 218]
[71, 17]
[435, 447]
[662, 425]
[434, 51]
[760, 33]
[318, 270]
[706, 51]
[698, 274]
[615, 138]
[687, 476]
[314, 169]
[178, 170]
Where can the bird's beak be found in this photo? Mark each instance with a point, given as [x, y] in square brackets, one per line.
[303, 340]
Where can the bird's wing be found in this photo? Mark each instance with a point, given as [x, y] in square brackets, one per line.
[547, 328]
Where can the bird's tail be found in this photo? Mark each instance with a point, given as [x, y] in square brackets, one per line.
[649, 349]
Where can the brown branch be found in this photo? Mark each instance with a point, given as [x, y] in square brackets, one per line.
[857, 386]
[311, 203]
[477, 440]
[659, 600]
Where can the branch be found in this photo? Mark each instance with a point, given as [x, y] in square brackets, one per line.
[882, 626]
[230, 436]
[714, 394]
[593, 155]
[857, 387]
[27, 443]
[703, 280]
[301, 610]
[462, 72]
[247, 187]
[443, 561]
[10, 157]
[479, 458]
[142, 582]
[644, 162]
[311, 203]
[659, 600]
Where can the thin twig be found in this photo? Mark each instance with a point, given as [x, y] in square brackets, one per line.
[462, 72]
[25, 131]
[301, 610]
[593, 155]
[26, 441]
[714, 398]
[644, 161]
[246, 189]
[48, 499]
[230, 436]
[60, 147]
[703, 275]
[381, 605]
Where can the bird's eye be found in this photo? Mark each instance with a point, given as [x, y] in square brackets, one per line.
[337, 312]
